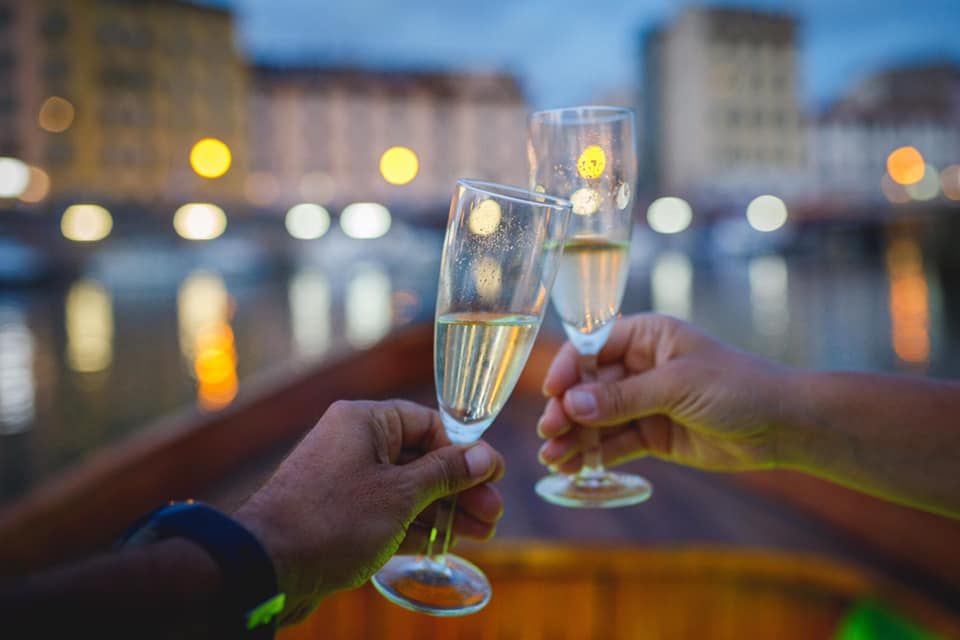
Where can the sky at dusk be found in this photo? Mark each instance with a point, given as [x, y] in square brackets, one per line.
[572, 51]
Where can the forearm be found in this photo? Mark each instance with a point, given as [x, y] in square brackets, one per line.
[167, 589]
[896, 437]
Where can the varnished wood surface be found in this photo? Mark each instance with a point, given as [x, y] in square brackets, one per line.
[551, 592]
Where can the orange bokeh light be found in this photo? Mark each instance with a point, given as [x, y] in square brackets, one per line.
[906, 165]
[909, 302]
[215, 366]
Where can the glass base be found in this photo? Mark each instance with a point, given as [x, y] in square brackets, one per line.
[455, 587]
[599, 492]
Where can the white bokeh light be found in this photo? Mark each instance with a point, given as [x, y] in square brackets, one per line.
[307, 221]
[767, 213]
[365, 220]
[669, 215]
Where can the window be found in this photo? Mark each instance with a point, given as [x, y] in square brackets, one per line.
[55, 24]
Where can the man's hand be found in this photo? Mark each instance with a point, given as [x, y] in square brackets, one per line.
[669, 391]
[358, 488]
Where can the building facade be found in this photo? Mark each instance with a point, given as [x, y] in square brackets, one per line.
[108, 97]
[720, 108]
[317, 135]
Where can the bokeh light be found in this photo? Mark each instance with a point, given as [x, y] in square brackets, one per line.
[928, 187]
[485, 217]
[909, 301]
[38, 186]
[592, 162]
[767, 213]
[905, 165]
[199, 221]
[89, 320]
[365, 220]
[14, 177]
[894, 192]
[210, 158]
[216, 367]
[488, 278]
[669, 215]
[310, 301]
[318, 186]
[86, 223]
[950, 181]
[399, 165]
[671, 284]
[586, 201]
[17, 379]
[56, 114]
[307, 221]
[368, 308]
[769, 294]
[261, 188]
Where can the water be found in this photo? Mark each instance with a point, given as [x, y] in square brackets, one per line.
[85, 364]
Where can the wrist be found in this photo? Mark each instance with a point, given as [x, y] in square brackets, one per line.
[798, 427]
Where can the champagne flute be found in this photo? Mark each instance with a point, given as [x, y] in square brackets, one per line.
[500, 257]
[588, 154]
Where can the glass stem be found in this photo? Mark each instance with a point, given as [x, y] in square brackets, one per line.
[592, 467]
[444, 524]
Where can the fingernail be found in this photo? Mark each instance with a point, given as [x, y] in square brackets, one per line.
[540, 427]
[582, 403]
[542, 454]
[479, 460]
[543, 390]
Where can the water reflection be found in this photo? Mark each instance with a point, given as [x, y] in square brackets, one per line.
[909, 301]
[89, 320]
[672, 284]
[310, 319]
[769, 301]
[368, 305]
[17, 384]
[206, 338]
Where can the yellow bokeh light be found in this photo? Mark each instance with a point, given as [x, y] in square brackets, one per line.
[86, 223]
[586, 201]
[38, 186]
[592, 162]
[56, 114]
[767, 213]
[199, 221]
[89, 324]
[485, 217]
[905, 165]
[669, 215]
[909, 302]
[14, 177]
[216, 367]
[399, 165]
[950, 181]
[210, 158]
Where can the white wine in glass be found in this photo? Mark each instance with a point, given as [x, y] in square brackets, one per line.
[500, 257]
[588, 154]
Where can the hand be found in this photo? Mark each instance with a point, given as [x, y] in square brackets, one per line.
[354, 492]
[666, 390]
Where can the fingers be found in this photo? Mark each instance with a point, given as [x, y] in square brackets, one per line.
[644, 394]
[478, 511]
[563, 373]
[452, 469]
[653, 435]
[554, 422]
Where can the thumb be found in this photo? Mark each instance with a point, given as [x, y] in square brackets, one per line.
[452, 469]
[612, 403]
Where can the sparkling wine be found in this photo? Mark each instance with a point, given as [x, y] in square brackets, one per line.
[589, 288]
[479, 357]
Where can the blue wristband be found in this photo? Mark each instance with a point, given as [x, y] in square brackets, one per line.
[249, 581]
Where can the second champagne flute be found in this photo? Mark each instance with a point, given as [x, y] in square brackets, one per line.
[588, 154]
[499, 262]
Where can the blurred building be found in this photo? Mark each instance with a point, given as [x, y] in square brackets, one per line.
[916, 106]
[720, 108]
[108, 97]
[318, 134]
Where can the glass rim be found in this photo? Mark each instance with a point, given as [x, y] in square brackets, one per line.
[515, 194]
[605, 113]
